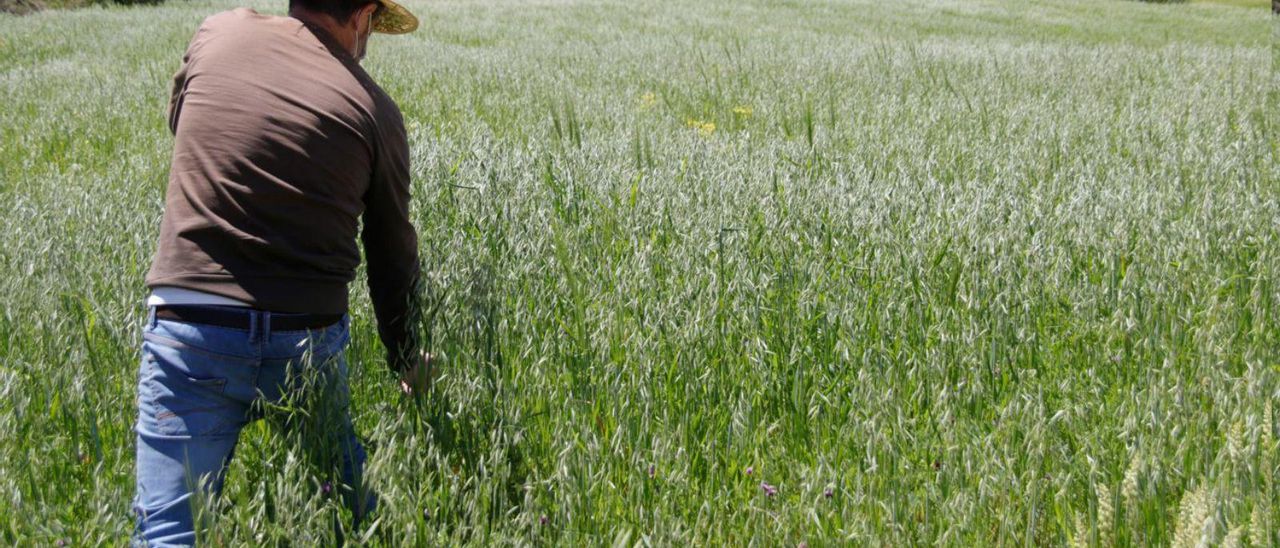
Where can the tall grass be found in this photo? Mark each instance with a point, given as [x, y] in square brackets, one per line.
[986, 272]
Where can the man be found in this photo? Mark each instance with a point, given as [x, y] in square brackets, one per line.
[282, 145]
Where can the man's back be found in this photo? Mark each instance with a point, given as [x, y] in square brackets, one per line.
[281, 141]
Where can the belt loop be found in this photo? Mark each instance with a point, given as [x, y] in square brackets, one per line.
[151, 317]
[266, 325]
[254, 326]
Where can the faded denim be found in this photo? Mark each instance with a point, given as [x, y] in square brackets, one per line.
[199, 385]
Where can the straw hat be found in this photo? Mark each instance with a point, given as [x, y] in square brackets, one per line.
[394, 19]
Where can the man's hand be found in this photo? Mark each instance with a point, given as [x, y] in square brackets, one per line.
[417, 380]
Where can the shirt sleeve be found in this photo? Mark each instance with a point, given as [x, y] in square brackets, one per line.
[391, 243]
[175, 96]
[179, 88]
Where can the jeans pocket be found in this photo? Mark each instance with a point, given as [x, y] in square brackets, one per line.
[215, 384]
[175, 401]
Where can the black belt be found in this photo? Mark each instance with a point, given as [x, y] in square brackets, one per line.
[240, 318]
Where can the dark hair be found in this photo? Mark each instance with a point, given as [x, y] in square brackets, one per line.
[338, 9]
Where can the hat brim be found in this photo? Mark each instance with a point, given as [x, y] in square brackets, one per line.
[394, 19]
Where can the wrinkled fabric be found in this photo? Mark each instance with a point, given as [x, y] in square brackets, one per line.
[283, 145]
[200, 385]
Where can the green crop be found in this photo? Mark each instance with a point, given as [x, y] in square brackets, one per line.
[724, 272]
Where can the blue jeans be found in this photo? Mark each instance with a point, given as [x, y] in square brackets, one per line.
[199, 385]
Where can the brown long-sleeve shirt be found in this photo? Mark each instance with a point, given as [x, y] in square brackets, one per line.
[282, 142]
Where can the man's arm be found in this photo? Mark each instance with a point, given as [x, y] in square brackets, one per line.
[391, 246]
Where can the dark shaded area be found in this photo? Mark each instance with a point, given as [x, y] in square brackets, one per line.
[20, 6]
[27, 6]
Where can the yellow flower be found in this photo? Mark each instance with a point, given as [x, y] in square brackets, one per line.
[743, 111]
[705, 129]
[648, 100]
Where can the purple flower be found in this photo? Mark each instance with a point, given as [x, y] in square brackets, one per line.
[828, 493]
[326, 488]
[652, 471]
[60, 543]
[543, 520]
[802, 545]
[769, 490]
[750, 469]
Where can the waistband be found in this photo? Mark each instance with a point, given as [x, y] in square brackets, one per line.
[242, 318]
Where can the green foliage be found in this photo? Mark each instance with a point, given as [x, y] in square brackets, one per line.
[991, 272]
